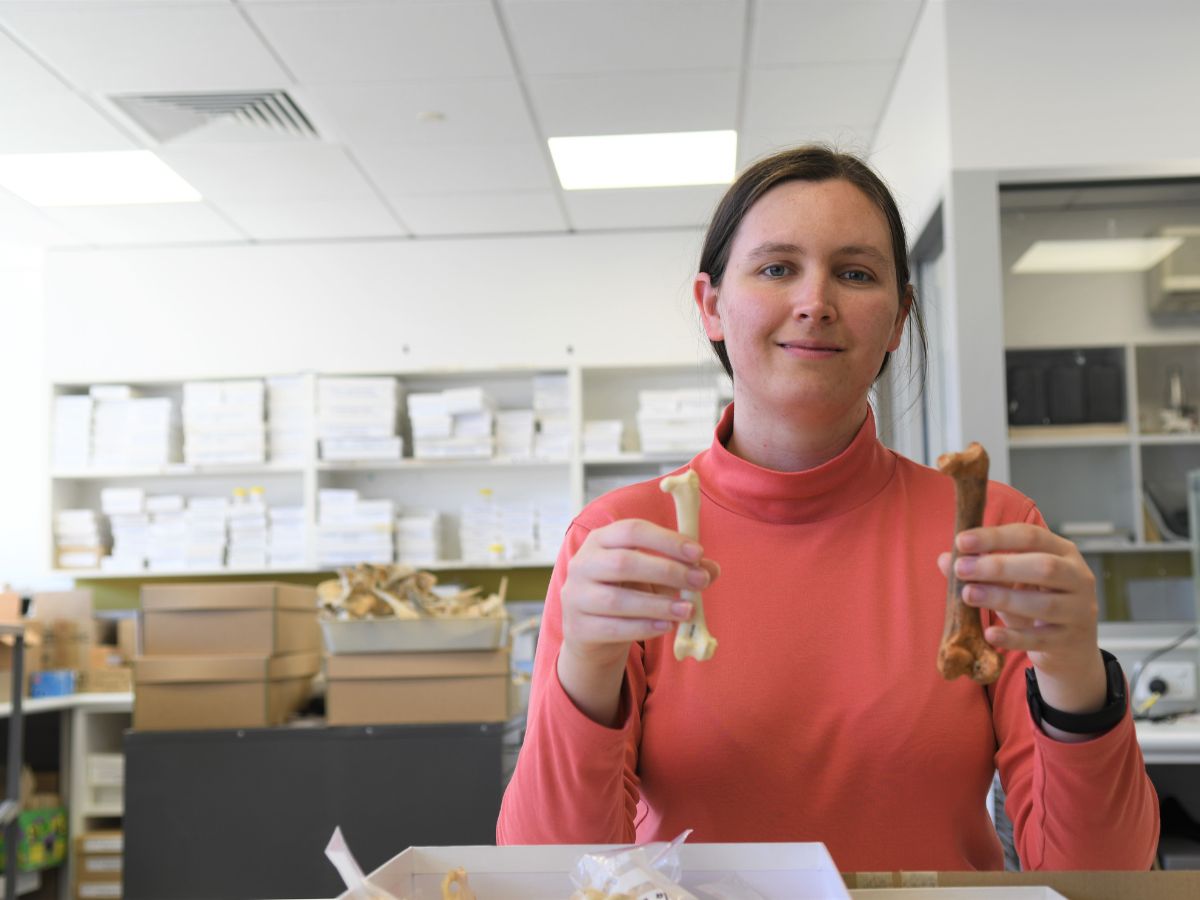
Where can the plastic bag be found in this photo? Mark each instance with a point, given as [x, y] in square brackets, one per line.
[643, 872]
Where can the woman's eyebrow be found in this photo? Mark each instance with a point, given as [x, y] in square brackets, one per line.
[864, 250]
[771, 248]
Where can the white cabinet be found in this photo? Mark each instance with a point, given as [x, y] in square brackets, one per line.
[554, 484]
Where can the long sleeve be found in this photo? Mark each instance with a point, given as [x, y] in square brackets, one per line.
[575, 779]
[1088, 805]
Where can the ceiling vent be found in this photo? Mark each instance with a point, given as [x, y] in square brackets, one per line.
[218, 117]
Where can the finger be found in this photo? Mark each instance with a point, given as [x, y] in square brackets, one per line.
[943, 563]
[1043, 570]
[617, 601]
[638, 534]
[713, 568]
[1011, 538]
[615, 629]
[1011, 602]
[621, 565]
[1037, 638]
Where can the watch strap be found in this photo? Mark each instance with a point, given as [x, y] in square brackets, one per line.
[1096, 722]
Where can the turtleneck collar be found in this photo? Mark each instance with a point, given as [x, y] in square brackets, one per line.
[847, 481]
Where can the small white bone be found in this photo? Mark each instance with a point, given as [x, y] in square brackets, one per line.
[692, 637]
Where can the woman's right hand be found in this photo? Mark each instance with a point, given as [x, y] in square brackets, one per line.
[622, 585]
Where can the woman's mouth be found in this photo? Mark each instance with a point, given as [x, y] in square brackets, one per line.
[810, 349]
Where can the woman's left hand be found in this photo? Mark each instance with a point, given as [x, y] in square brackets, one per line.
[1045, 597]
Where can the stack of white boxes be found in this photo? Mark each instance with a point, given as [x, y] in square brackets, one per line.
[187, 537]
[130, 431]
[78, 541]
[491, 530]
[287, 539]
[676, 421]
[247, 530]
[356, 418]
[287, 415]
[72, 431]
[351, 530]
[130, 524]
[551, 405]
[456, 423]
[419, 537]
[553, 521]
[515, 429]
[223, 422]
[603, 437]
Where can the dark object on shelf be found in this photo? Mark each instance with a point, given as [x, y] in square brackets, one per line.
[1172, 524]
[1065, 387]
[247, 813]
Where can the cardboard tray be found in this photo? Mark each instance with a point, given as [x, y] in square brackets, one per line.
[413, 635]
[1012, 892]
[777, 871]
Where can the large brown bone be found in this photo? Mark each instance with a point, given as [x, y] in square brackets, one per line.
[963, 650]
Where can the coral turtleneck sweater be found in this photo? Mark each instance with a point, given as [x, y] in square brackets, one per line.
[822, 716]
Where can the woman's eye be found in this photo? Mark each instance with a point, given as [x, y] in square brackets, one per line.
[858, 275]
[775, 270]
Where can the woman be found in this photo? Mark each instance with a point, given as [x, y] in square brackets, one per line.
[822, 716]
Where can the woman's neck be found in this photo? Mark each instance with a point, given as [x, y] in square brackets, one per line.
[786, 444]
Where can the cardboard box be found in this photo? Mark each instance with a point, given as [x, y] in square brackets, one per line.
[413, 635]
[414, 688]
[43, 839]
[105, 681]
[98, 867]
[98, 890]
[776, 871]
[230, 691]
[1072, 885]
[127, 638]
[264, 617]
[108, 841]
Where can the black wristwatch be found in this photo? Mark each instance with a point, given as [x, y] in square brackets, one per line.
[1085, 723]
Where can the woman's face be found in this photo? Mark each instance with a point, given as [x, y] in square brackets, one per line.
[808, 304]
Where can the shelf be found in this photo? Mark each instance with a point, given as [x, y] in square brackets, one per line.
[177, 470]
[624, 459]
[1160, 439]
[104, 810]
[109, 702]
[441, 565]
[490, 462]
[1053, 436]
[1131, 547]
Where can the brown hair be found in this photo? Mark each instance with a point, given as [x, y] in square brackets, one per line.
[812, 162]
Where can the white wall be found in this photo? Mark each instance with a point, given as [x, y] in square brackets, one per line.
[1043, 83]
[24, 454]
[355, 306]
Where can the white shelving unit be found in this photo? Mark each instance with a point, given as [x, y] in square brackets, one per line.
[1105, 472]
[443, 485]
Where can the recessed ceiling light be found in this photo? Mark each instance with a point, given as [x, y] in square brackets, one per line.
[1110, 255]
[93, 179]
[645, 160]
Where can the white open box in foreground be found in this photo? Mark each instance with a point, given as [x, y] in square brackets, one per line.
[777, 871]
[1007, 892]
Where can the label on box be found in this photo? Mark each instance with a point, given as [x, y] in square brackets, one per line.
[101, 864]
[98, 890]
[109, 843]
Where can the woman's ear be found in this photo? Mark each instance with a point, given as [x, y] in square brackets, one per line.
[706, 302]
[906, 303]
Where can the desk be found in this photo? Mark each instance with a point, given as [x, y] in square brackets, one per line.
[1176, 742]
[89, 723]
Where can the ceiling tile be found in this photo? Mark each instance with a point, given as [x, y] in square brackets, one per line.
[111, 48]
[363, 217]
[845, 138]
[479, 110]
[399, 169]
[57, 121]
[268, 172]
[791, 33]
[18, 67]
[786, 99]
[499, 213]
[25, 224]
[341, 42]
[151, 223]
[635, 104]
[552, 37]
[669, 207]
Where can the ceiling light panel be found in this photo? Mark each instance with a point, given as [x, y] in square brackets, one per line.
[93, 179]
[552, 37]
[165, 46]
[644, 160]
[344, 42]
[1110, 255]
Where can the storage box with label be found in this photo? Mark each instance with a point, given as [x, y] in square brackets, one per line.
[775, 871]
[230, 691]
[413, 635]
[264, 617]
[99, 866]
[413, 688]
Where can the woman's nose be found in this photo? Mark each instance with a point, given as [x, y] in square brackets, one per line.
[813, 299]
